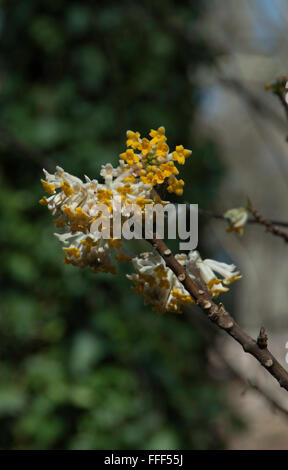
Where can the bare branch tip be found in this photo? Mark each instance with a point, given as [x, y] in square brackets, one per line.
[262, 339]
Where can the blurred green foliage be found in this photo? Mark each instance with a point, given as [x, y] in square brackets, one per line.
[84, 365]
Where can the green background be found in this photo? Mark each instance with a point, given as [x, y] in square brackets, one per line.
[83, 363]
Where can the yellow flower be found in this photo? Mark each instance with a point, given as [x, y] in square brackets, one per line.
[182, 298]
[148, 178]
[145, 146]
[66, 188]
[161, 272]
[133, 139]
[88, 243]
[141, 202]
[130, 157]
[158, 135]
[48, 187]
[162, 149]
[68, 260]
[169, 169]
[78, 220]
[73, 251]
[159, 177]
[175, 186]
[43, 201]
[129, 179]
[124, 190]
[104, 195]
[180, 154]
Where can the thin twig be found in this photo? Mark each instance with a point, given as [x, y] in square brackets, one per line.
[282, 98]
[218, 315]
[218, 215]
[270, 226]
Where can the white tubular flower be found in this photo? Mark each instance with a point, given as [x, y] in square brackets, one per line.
[208, 269]
[108, 173]
[84, 251]
[158, 285]
[236, 218]
[76, 202]
[227, 271]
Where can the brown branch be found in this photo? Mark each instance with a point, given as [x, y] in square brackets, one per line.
[218, 215]
[223, 360]
[279, 88]
[218, 315]
[283, 101]
[262, 339]
[270, 226]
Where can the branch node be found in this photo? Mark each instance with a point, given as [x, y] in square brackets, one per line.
[167, 252]
[262, 339]
[228, 325]
[268, 363]
[181, 277]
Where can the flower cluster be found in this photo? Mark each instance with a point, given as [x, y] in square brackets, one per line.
[73, 201]
[159, 286]
[151, 161]
[236, 219]
[144, 165]
[133, 180]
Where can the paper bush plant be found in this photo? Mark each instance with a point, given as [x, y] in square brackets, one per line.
[165, 281]
[144, 166]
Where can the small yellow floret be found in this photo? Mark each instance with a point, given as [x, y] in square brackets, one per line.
[162, 149]
[181, 154]
[130, 157]
[157, 135]
[124, 190]
[133, 139]
[129, 179]
[73, 251]
[175, 186]
[145, 146]
[66, 188]
[43, 201]
[48, 187]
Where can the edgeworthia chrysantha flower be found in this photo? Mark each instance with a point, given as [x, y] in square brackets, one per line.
[236, 218]
[145, 164]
